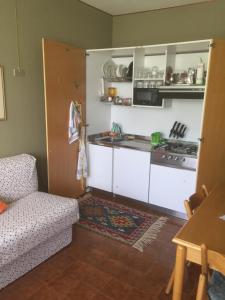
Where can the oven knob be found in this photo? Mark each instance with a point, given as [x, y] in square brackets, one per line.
[183, 159]
[169, 157]
[163, 156]
[175, 158]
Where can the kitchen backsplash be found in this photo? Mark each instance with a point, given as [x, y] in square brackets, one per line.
[144, 121]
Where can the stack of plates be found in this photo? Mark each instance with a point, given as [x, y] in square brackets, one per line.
[121, 71]
[109, 69]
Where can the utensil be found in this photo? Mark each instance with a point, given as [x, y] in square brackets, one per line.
[172, 130]
[180, 130]
[183, 132]
[176, 130]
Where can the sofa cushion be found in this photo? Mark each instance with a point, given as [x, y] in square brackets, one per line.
[32, 220]
[18, 177]
[3, 206]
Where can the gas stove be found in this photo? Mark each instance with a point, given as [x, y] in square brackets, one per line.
[176, 154]
[184, 148]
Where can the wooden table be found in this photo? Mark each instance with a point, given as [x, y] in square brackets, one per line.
[204, 227]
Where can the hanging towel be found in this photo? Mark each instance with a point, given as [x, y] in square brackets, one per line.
[82, 158]
[74, 121]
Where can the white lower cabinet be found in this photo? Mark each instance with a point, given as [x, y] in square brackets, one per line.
[169, 187]
[100, 160]
[131, 173]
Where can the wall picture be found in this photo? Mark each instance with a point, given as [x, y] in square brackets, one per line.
[2, 96]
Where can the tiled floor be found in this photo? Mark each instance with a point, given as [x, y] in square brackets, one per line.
[98, 268]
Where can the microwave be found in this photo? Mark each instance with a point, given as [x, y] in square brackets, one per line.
[147, 97]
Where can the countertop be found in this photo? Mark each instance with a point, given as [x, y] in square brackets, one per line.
[131, 141]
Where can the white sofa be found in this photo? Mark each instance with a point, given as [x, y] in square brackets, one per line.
[36, 225]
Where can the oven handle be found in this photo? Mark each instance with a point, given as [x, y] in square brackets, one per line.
[172, 166]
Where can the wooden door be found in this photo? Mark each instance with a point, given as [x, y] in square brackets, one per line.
[64, 77]
[211, 169]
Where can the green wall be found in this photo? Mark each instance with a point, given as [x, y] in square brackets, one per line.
[199, 21]
[63, 20]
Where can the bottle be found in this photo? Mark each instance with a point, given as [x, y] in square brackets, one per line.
[200, 73]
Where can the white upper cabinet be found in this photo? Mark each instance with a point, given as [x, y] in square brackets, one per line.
[125, 69]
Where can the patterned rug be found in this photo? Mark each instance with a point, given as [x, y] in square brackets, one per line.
[127, 225]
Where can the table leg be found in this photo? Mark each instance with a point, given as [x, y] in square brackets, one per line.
[179, 272]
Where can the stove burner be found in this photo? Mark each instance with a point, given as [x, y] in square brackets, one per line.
[180, 148]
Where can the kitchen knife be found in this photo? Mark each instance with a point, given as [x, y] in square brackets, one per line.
[183, 132]
[176, 129]
[180, 130]
[172, 130]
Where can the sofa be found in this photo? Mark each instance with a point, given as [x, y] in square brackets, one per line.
[35, 225]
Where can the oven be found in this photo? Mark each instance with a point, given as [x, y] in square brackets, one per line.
[172, 179]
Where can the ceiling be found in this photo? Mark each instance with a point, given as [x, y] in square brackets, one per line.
[120, 7]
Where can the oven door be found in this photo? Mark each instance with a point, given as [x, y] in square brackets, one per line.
[147, 97]
[169, 187]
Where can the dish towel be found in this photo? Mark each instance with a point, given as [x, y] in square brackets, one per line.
[82, 158]
[74, 121]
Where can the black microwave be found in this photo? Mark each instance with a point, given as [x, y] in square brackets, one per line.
[147, 97]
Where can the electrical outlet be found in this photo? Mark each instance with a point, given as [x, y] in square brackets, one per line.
[18, 72]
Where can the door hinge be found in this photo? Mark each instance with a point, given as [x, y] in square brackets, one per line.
[87, 54]
[213, 45]
[201, 140]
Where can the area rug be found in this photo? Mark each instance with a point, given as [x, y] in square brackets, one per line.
[119, 222]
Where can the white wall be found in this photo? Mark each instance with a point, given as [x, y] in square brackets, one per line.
[144, 121]
[98, 115]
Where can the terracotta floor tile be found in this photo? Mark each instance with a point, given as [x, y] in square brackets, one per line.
[82, 292]
[47, 293]
[117, 289]
[22, 288]
[64, 284]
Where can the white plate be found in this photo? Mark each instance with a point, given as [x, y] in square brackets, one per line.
[109, 69]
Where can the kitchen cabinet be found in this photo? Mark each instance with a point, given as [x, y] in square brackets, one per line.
[179, 184]
[100, 160]
[131, 173]
[180, 56]
[150, 65]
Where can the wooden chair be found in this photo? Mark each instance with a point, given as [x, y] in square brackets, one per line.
[191, 206]
[216, 261]
[194, 201]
